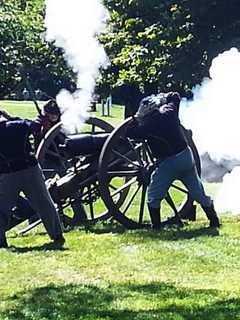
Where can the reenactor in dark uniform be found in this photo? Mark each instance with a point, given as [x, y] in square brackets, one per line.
[20, 172]
[51, 115]
[157, 121]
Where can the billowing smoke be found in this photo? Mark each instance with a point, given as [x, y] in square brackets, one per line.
[214, 117]
[74, 25]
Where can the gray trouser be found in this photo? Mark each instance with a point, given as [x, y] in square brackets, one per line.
[31, 182]
[179, 167]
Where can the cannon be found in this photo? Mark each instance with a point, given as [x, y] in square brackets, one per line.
[108, 173]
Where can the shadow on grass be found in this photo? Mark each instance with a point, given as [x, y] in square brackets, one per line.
[166, 234]
[174, 234]
[119, 302]
[44, 247]
[170, 233]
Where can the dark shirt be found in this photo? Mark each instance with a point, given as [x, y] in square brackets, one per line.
[162, 130]
[16, 152]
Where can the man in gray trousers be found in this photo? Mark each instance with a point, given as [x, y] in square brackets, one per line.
[158, 122]
[20, 172]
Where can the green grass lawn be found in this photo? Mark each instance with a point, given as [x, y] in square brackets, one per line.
[109, 273]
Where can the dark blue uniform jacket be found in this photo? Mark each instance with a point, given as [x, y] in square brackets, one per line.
[162, 130]
[16, 152]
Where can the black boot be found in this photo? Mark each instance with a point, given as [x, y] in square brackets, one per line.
[212, 216]
[155, 217]
[3, 243]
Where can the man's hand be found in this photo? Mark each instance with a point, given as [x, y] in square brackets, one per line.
[44, 122]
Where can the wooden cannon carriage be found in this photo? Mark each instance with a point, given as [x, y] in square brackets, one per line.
[109, 180]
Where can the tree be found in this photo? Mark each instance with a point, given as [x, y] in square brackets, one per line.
[146, 43]
[25, 52]
[163, 45]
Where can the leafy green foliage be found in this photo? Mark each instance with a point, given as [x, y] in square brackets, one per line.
[147, 41]
[24, 51]
[162, 45]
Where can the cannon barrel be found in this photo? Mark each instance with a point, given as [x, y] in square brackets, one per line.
[84, 144]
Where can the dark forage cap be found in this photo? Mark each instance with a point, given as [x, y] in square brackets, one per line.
[52, 107]
[173, 97]
[150, 103]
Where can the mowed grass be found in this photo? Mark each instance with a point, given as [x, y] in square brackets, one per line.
[108, 272]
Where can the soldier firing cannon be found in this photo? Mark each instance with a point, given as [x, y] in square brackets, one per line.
[109, 173]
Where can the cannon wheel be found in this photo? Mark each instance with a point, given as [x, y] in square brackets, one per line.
[95, 209]
[132, 167]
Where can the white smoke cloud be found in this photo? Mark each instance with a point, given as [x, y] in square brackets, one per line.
[74, 25]
[227, 199]
[214, 117]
